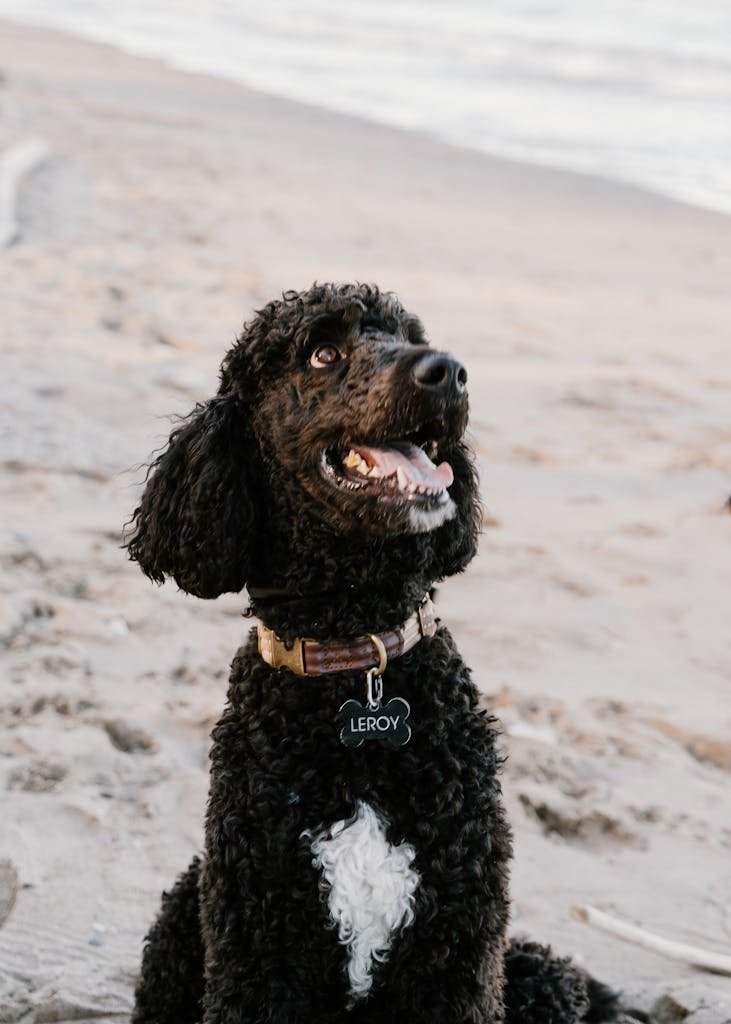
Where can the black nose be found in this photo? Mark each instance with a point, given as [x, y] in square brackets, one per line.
[440, 374]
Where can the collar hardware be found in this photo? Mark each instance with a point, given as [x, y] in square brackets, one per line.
[306, 657]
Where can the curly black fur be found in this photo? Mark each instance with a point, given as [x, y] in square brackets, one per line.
[171, 982]
[242, 496]
[544, 989]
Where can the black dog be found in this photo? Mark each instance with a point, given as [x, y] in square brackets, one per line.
[356, 860]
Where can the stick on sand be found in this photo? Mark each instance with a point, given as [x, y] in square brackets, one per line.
[704, 958]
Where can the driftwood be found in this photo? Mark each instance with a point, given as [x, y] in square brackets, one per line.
[16, 163]
[719, 963]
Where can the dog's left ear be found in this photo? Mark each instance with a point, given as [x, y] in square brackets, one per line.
[195, 519]
[458, 537]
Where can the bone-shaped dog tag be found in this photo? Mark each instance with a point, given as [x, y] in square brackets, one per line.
[389, 722]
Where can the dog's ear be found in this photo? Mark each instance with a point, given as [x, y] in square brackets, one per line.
[196, 515]
[458, 537]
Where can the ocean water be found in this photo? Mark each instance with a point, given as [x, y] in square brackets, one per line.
[634, 90]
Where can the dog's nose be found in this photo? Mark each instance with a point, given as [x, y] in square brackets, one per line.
[440, 374]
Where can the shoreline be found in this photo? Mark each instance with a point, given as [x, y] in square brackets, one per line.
[584, 181]
[593, 319]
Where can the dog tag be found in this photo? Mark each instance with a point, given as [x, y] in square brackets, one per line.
[389, 722]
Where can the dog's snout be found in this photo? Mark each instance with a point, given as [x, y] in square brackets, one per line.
[440, 374]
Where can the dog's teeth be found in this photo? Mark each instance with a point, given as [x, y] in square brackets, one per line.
[375, 471]
[355, 461]
[401, 479]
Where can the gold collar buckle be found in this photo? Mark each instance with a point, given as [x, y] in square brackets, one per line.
[280, 655]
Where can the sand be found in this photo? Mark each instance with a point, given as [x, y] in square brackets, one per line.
[593, 319]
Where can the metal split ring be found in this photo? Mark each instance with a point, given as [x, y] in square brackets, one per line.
[374, 681]
[374, 687]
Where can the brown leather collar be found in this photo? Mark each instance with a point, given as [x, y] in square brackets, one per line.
[307, 657]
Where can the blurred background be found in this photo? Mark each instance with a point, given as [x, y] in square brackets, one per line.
[547, 184]
[640, 92]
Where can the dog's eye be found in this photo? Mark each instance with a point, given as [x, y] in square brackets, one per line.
[325, 355]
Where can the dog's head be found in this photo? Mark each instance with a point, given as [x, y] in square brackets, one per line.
[333, 419]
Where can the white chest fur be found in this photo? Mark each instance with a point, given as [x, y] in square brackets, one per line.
[371, 889]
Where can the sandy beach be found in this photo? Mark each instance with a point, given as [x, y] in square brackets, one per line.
[594, 322]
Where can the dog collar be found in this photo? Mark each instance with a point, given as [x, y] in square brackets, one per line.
[306, 657]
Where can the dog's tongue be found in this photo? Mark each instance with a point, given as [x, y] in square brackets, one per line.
[413, 462]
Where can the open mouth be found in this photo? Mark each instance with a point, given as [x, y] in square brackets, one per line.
[394, 472]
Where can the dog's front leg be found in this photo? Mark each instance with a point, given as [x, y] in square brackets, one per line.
[446, 974]
[268, 957]
[231, 936]
[448, 967]
[257, 894]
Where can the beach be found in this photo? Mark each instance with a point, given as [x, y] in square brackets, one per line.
[593, 319]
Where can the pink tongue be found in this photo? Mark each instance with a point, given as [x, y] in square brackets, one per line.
[414, 463]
